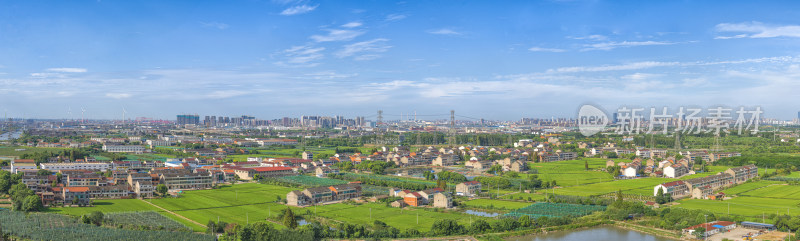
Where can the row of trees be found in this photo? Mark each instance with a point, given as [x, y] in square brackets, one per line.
[383, 182]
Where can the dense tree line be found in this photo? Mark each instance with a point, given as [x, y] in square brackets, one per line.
[762, 161]
[382, 182]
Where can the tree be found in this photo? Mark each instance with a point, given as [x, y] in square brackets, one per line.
[43, 172]
[441, 184]
[289, 219]
[446, 227]
[257, 177]
[18, 194]
[5, 181]
[524, 221]
[700, 232]
[162, 189]
[32, 203]
[480, 226]
[96, 218]
[586, 164]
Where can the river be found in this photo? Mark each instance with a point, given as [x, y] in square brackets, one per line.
[601, 233]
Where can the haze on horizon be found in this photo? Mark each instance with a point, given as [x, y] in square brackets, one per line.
[496, 61]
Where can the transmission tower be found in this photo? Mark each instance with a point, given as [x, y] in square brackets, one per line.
[419, 139]
[378, 132]
[677, 141]
[716, 143]
[452, 127]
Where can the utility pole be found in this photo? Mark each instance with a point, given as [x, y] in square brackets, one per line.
[705, 231]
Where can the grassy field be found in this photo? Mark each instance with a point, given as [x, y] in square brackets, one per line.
[642, 186]
[744, 206]
[775, 191]
[121, 205]
[573, 172]
[525, 196]
[497, 203]
[712, 170]
[416, 218]
[748, 186]
[11, 150]
[238, 203]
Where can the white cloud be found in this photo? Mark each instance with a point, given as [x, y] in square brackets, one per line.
[298, 10]
[337, 35]
[758, 30]
[444, 31]
[395, 17]
[327, 75]
[67, 70]
[118, 95]
[613, 45]
[554, 50]
[639, 76]
[352, 24]
[630, 66]
[365, 50]
[220, 26]
[302, 56]
[731, 37]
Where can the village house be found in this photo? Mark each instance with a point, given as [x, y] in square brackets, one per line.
[675, 171]
[323, 195]
[442, 200]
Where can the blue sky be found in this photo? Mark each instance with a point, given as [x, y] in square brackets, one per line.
[487, 59]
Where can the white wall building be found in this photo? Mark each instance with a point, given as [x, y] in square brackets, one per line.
[125, 149]
[101, 166]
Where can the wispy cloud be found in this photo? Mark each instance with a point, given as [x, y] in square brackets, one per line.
[300, 9]
[444, 31]
[623, 44]
[118, 95]
[630, 66]
[337, 35]
[328, 75]
[67, 70]
[539, 49]
[352, 24]
[302, 56]
[365, 50]
[220, 26]
[395, 17]
[758, 30]
[595, 37]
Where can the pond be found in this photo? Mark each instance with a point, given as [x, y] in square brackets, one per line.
[601, 233]
[482, 213]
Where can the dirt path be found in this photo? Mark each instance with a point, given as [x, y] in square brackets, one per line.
[173, 213]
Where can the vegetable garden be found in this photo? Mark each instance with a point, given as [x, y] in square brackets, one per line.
[144, 220]
[537, 210]
[44, 226]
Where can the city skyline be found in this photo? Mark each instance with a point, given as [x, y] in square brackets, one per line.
[290, 58]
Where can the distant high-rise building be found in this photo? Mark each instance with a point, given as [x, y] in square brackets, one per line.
[188, 119]
[798, 115]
